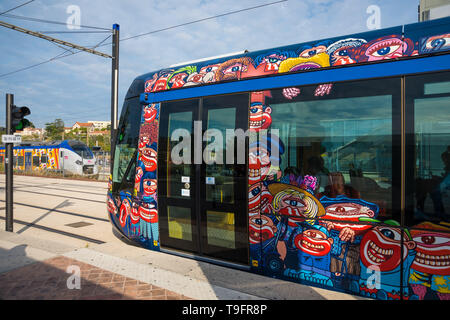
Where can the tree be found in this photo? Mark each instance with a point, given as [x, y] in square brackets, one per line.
[54, 130]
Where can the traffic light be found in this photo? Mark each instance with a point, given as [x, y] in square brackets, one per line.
[17, 118]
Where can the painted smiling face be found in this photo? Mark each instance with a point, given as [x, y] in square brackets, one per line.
[259, 164]
[381, 248]
[261, 228]
[150, 112]
[433, 252]
[148, 212]
[260, 117]
[348, 212]
[149, 157]
[313, 242]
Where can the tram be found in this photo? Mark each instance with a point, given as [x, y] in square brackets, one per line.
[324, 163]
[70, 156]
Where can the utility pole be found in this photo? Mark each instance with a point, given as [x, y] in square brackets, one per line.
[9, 165]
[114, 89]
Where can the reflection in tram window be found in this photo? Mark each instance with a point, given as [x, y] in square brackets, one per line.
[344, 139]
[430, 98]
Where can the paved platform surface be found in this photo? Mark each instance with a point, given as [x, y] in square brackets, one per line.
[63, 223]
[31, 268]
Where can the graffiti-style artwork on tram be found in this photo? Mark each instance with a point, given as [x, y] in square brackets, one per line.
[137, 213]
[323, 201]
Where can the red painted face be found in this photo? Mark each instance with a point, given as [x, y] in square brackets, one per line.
[260, 117]
[313, 242]
[149, 186]
[150, 113]
[148, 212]
[148, 157]
[261, 228]
[125, 210]
[134, 216]
[381, 248]
[177, 81]
[433, 252]
[348, 212]
[259, 164]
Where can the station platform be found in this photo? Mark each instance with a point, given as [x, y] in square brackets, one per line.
[37, 269]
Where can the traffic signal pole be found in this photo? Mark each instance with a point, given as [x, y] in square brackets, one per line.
[114, 90]
[9, 165]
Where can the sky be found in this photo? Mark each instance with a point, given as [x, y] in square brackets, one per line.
[78, 87]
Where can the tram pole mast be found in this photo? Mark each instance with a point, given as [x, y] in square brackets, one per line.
[9, 165]
[114, 90]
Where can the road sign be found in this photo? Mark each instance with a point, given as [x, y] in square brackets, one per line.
[10, 138]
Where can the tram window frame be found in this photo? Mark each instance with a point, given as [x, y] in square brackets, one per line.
[418, 197]
[126, 144]
[36, 161]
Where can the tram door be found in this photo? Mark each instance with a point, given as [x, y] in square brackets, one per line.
[202, 190]
[28, 156]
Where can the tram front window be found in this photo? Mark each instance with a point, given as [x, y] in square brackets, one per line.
[126, 144]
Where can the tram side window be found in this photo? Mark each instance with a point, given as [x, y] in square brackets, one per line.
[428, 143]
[19, 161]
[36, 161]
[340, 133]
[44, 159]
[126, 144]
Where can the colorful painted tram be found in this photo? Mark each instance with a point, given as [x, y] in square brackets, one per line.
[70, 156]
[325, 163]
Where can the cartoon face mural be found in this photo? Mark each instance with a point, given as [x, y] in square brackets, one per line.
[430, 270]
[340, 51]
[298, 204]
[433, 251]
[314, 242]
[345, 211]
[434, 43]
[387, 47]
[381, 247]
[150, 112]
[259, 117]
[261, 228]
[125, 210]
[148, 156]
[179, 78]
[262, 155]
[232, 69]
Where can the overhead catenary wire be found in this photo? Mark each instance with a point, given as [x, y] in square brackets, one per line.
[54, 22]
[59, 56]
[16, 7]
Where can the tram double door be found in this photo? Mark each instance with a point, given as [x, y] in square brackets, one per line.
[202, 203]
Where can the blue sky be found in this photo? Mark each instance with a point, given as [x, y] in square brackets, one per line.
[77, 88]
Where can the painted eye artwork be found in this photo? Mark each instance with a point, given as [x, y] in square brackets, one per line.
[435, 43]
[385, 49]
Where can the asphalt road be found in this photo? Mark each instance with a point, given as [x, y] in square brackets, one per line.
[72, 212]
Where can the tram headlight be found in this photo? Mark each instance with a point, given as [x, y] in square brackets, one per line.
[79, 162]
